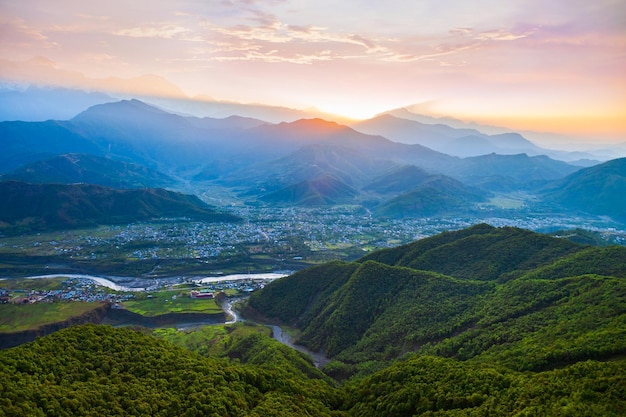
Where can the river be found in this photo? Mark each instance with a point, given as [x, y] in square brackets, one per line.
[277, 333]
[319, 360]
[139, 284]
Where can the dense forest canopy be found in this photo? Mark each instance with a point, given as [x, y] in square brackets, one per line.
[482, 321]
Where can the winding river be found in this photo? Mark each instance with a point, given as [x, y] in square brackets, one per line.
[139, 284]
[277, 333]
[319, 360]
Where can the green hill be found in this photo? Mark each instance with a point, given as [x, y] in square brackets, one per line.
[431, 386]
[323, 190]
[90, 169]
[435, 195]
[482, 294]
[34, 207]
[600, 189]
[102, 371]
[481, 252]
[414, 330]
[399, 180]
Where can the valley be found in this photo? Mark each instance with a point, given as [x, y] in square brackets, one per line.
[392, 264]
[465, 322]
[270, 239]
[251, 208]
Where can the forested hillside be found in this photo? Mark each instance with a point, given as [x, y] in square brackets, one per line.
[598, 189]
[98, 370]
[490, 295]
[26, 207]
[481, 321]
[101, 371]
[89, 169]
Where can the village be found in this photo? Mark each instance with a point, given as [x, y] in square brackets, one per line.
[72, 289]
[344, 232]
[87, 290]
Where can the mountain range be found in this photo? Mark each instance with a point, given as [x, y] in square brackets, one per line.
[27, 207]
[461, 141]
[89, 169]
[308, 161]
[479, 321]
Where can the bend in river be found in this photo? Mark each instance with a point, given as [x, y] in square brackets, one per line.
[139, 284]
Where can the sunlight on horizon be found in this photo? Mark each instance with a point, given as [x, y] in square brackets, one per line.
[517, 61]
[353, 111]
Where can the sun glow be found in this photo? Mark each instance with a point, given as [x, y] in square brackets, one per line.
[507, 64]
[354, 111]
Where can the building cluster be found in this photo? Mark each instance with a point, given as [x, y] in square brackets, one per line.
[74, 289]
[282, 232]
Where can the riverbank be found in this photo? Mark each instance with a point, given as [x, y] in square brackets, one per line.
[319, 360]
[133, 284]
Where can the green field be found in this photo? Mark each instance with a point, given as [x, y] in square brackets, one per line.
[164, 302]
[211, 340]
[505, 202]
[20, 317]
[41, 284]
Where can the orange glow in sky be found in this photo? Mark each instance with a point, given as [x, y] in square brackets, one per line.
[528, 64]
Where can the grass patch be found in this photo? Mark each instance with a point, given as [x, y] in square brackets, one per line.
[506, 203]
[164, 302]
[43, 284]
[20, 317]
[211, 340]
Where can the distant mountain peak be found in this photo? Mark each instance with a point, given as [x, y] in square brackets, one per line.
[317, 125]
[122, 109]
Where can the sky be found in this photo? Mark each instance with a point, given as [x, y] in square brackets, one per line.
[544, 65]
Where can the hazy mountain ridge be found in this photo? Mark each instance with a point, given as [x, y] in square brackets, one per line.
[600, 189]
[443, 138]
[583, 158]
[34, 207]
[41, 104]
[260, 158]
[90, 169]
[145, 134]
[26, 142]
[49, 74]
[323, 190]
[435, 195]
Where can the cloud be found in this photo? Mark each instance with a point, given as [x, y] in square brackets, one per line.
[273, 56]
[393, 48]
[458, 41]
[16, 31]
[272, 40]
[490, 35]
[164, 31]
